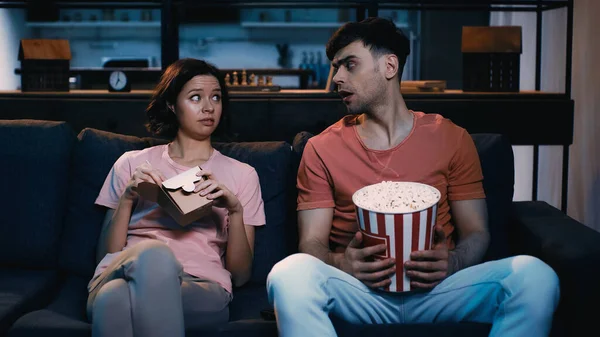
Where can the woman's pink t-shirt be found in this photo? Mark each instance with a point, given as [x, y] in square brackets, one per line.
[199, 246]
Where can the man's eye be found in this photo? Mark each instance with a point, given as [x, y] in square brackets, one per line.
[350, 65]
[216, 98]
[195, 98]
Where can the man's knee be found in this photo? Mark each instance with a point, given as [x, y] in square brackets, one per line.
[537, 278]
[293, 271]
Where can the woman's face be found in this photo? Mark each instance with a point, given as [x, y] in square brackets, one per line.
[199, 107]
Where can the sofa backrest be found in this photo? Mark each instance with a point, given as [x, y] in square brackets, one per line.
[95, 153]
[497, 163]
[35, 178]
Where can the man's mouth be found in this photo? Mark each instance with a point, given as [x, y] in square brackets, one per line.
[346, 95]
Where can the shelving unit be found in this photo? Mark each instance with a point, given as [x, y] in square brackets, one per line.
[333, 25]
[95, 24]
[368, 8]
[169, 30]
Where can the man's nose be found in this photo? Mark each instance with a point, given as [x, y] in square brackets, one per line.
[339, 76]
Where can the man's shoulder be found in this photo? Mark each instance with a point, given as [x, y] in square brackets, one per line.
[438, 124]
[334, 134]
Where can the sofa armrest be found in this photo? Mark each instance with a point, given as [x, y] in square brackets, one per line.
[570, 248]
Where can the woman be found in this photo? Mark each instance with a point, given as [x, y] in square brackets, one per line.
[155, 277]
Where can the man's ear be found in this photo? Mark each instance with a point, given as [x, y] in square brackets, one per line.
[391, 66]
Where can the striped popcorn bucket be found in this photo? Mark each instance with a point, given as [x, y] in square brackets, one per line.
[402, 230]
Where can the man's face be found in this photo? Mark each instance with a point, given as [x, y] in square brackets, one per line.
[358, 77]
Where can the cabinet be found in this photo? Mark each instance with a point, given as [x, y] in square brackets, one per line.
[171, 14]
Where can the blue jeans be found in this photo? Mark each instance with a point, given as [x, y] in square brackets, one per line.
[518, 295]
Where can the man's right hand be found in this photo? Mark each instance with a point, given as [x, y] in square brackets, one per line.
[376, 273]
[144, 172]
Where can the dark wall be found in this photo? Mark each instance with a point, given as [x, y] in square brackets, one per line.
[281, 119]
[441, 32]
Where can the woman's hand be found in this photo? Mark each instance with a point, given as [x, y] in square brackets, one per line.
[213, 190]
[144, 172]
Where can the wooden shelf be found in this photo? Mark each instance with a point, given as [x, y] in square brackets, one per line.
[293, 94]
[95, 24]
[252, 24]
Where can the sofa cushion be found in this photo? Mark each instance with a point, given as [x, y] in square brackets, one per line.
[244, 316]
[22, 291]
[64, 317]
[95, 153]
[463, 329]
[35, 170]
[497, 164]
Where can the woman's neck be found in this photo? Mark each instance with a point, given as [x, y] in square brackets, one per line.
[190, 152]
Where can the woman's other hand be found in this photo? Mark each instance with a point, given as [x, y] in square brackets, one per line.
[213, 190]
[144, 172]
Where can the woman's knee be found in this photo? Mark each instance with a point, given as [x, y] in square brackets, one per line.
[153, 260]
[114, 295]
[154, 252]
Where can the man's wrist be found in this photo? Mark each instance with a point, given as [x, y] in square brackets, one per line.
[335, 260]
[453, 265]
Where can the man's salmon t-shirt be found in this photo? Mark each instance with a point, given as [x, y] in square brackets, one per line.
[336, 163]
[199, 246]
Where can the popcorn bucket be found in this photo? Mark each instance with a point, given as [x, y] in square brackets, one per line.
[400, 215]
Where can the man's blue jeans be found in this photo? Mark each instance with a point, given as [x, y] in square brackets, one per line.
[518, 295]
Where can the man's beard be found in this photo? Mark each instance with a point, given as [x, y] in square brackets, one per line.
[358, 109]
[361, 107]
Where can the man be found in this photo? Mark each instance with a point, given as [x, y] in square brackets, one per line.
[383, 140]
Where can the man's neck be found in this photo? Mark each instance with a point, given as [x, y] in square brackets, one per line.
[387, 124]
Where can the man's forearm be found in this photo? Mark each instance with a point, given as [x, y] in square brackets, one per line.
[468, 252]
[322, 252]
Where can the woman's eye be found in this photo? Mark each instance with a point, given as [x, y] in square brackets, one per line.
[216, 98]
[195, 98]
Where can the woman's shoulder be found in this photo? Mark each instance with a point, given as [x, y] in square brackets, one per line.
[150, 154]
[233, 166]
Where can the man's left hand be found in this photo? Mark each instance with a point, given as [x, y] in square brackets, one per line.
[427, 268]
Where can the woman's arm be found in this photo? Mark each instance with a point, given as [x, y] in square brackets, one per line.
[240, 242]
[240, 249]
[113, 235]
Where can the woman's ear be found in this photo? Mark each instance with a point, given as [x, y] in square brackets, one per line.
[171, 107]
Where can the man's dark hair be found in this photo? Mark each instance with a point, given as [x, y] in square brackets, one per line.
[380, 35]
[161, 120]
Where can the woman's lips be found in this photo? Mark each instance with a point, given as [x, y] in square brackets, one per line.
[207, 122]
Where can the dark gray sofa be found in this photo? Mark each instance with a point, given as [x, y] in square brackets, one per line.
[49, 230]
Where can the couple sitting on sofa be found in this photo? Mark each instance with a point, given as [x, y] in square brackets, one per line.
[155, 277]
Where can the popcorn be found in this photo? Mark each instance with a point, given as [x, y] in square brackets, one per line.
[396, 197]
